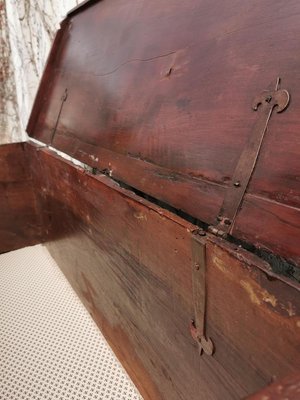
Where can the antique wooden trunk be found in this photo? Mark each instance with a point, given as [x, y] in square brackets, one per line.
[180, 227]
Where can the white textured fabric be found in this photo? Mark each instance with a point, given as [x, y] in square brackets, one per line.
[26, 32]
[50, 348]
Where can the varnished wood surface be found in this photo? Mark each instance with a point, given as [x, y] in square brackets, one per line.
[287, 389]
[130, 263]
[265, 221]
[20, 224]
[160, 94]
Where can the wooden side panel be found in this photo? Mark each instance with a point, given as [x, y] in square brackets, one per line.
[130, 263]
[19, 213]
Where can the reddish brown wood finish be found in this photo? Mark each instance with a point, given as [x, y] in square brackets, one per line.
[285, 389]
[20, 223]
[130, 263]
[159, 96]
[160, 93]
[265, 221]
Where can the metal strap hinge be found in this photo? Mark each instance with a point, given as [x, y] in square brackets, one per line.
[265, 102]
[62, 101]
[197, 325]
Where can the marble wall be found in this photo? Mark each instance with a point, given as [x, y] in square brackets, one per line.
[27, 28]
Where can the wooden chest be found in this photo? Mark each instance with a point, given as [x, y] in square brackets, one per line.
[179, 226]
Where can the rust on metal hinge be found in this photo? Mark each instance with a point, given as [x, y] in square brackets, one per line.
[265, 102]
[197, 324]
[63, 99]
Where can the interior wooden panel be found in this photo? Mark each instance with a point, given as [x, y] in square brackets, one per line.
[130, 263]
[20, 223]
[160, 94]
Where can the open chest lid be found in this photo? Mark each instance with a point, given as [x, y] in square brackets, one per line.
[168, 98]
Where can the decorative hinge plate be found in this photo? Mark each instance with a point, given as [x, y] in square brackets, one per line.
[197, 325]
[265, 102]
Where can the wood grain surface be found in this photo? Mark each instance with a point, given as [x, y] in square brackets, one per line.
[130, 263]
[160, 94]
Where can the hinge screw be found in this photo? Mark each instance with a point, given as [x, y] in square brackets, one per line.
[197, 267]
[237, 184]
[227, 221]
[268, 99]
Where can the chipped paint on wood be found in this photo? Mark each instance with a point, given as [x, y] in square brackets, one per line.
[252, 294]
[218, 262]
[259, 296]
[140, 216]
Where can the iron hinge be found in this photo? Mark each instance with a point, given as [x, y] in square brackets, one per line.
[197, 324]
[266, 103]
[62, 101]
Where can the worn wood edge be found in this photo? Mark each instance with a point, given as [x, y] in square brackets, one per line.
[105, 180]
[250, 260]
[283, 227]
[266, 306]
[89, 156]
[146, 176]
[153, 174]
[80, 7]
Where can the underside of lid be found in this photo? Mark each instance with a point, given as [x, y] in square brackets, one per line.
[159, 96]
